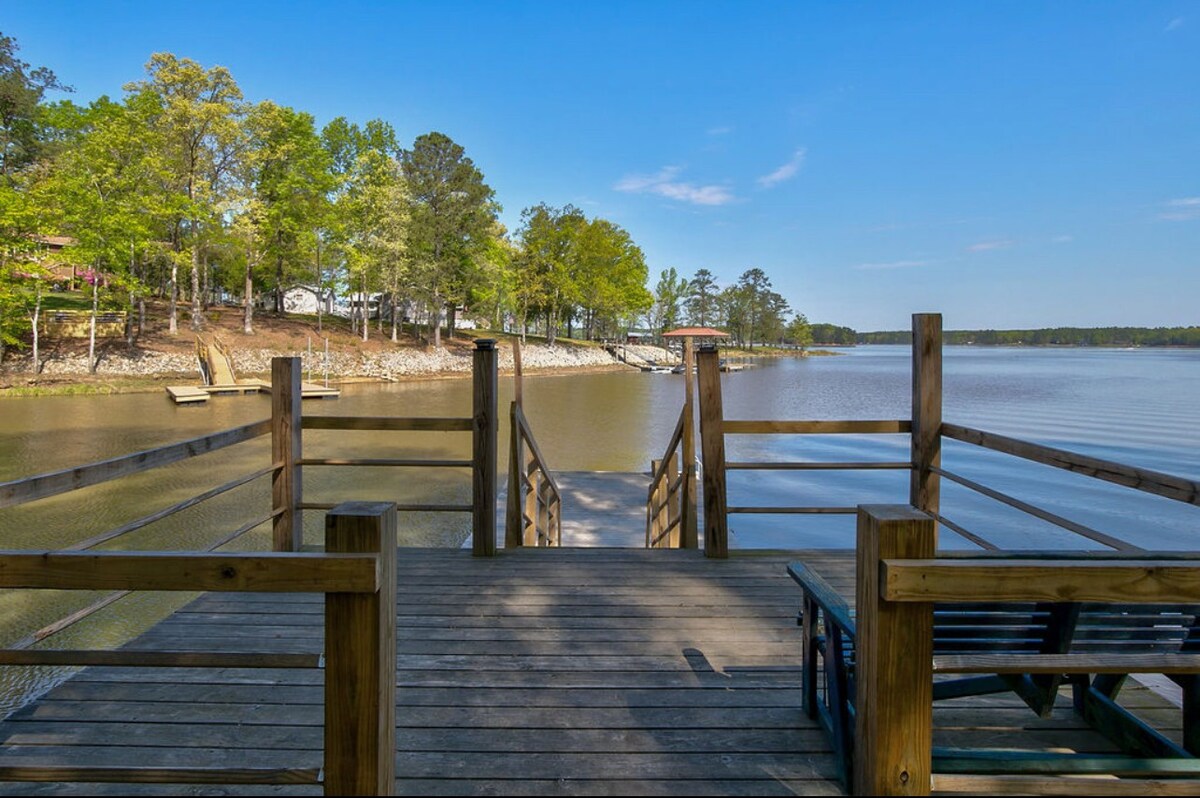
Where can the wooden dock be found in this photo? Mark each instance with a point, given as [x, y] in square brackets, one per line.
[537, 671]
[198, 394]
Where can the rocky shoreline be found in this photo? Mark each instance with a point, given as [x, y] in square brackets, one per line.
[409, 362]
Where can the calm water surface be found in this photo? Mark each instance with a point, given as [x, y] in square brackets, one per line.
[1138, 407]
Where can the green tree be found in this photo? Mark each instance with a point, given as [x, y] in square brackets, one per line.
[701, 301]
[610, 277]
[545, 265]
[201, 125]
[799, 332]
[22, 89]
[669, 294]
[451, 215]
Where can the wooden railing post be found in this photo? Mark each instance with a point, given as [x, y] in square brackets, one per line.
[925, 487]
[712, 448]
[688, 537]
[894, 647]
[360, 658]
[515, 502]
[288, 526]
[485, 425]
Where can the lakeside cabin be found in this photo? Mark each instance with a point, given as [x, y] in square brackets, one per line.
[526, 665]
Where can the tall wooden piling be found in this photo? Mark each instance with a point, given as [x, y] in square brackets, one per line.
[484, 427]
[688, 537]
[287, 526]
[925, 487]
[712, 447]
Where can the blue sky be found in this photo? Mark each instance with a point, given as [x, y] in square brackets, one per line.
[1008, 164]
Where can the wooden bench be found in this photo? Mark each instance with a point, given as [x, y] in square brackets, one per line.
[1029, 647]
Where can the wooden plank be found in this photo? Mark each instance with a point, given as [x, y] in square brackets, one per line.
[166, 512]
[817, 466]
[360, 669]
[1061, 785]
[1156, 482]
[924, 485]
[400, 463]
[793, 510]
[270, 572]
[403, 508]
[712, 448]
[131, 658]
[53, 483]
[152, 775]
[1038, 512]
[484, 425]
[838, 427]
[187, 394]
[1125, 580]
[1067, 663]
[894, 649]
[388, 423]
[286, 485]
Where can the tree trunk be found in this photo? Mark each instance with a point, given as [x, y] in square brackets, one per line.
[395, 315]
[197, 313]
[248, 300]
[366, 317]
[92, 326]
[320, 289]
[453, 320]
[436, 320]
[279, 284]
[206, 282]
[37, 312]
[173, 326]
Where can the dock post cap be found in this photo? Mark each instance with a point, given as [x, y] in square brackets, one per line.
[709, 347]
[485, 344]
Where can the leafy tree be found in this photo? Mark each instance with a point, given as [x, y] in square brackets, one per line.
[22, 89]
[799, 332]
[200, 122]
[451, 216]
[545, 265]
[669, 293]
[701, 301]
[610, 276]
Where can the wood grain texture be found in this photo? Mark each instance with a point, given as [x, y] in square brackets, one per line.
[51, 484]
[360, 658]
[712, 448]
[1156, 482]
[924, 486]
[748, 427]
[484, 430]
[271, 572]
[1122, 581]
[388, 423]
[287, 533]
[689, 532]
[894, 650]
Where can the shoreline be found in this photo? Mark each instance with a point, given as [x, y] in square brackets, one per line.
[149, 371]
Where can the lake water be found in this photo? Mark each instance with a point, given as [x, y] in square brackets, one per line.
[1137, 407]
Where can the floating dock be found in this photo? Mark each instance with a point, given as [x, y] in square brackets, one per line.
[198, 394]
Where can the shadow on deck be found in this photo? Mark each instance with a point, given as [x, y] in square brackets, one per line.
[552, 671]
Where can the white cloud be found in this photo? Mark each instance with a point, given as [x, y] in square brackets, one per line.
[664, 185]
[896, 264]
[785, 172]
[723, 130]
[987, 246]
[1174, 24]
[1063, 239]
[1181, 210]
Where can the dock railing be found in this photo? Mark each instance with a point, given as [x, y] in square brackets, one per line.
[898, 580]
[357, 574]
[533, 512]
[927, 430]
[671, 503]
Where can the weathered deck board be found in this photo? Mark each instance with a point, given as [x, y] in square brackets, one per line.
[550, 672]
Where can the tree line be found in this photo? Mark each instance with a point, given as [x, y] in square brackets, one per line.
[182, 190]
[1053, 336]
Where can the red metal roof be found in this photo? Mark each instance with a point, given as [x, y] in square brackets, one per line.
[695, 332]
